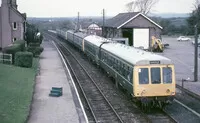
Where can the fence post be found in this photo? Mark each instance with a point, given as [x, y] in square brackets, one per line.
[11, 59]
[3, 57]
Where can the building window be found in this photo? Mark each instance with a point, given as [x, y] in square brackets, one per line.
[14, 39]
[15, 26]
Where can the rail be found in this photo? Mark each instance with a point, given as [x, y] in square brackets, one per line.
[98, 99]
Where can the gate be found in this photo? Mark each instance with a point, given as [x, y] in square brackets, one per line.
[5, 58]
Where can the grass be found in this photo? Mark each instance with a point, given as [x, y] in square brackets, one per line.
[16, 89]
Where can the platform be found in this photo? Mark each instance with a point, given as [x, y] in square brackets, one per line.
[53, 73]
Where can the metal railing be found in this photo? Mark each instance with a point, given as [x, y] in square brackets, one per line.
[5, 58]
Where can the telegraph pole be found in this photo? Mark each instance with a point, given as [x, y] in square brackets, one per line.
[78, 23]
[103, 23]
[196, 55]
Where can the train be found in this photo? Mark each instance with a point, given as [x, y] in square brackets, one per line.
[148, 77]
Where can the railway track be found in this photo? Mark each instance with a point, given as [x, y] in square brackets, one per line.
[185, 107]
[138, 116]
[100, 107]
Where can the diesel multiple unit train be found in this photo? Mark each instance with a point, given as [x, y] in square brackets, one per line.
[148, 77]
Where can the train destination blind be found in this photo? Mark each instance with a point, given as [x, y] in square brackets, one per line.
[154, 62]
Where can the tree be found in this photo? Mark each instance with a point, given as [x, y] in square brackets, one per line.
[67, 25]
[194, 18]
[143, 6]
[196, 4]
[31, 34]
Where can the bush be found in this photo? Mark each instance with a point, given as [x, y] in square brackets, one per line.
[34, 44]
[12, 49]
[24, 59]
[21, 43]
[35, 50]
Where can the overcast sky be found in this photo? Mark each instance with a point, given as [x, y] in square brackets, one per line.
[66, 8]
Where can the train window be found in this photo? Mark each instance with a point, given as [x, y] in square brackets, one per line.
[143, 76]
[110, 60]
[117, 66]
[123, 70]
[155, 76]
[114, 65]
[120, 67]
[167, 75]
[128, 74]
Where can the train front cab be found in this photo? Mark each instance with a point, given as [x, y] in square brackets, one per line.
[155, 82]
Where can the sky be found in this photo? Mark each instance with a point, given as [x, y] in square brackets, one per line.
[68, 8]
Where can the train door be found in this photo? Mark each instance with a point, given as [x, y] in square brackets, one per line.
[83, 45]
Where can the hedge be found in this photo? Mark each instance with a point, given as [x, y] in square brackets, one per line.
[34, 44]
[24, 59]
[21, 43]
[12, 49]
[35, 50]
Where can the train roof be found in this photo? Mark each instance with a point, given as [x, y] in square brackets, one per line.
[135, 56]
[96, 40]
[80, 34]
[70, 31]
[130, 54]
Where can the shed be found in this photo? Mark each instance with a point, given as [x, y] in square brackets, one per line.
[135, 26]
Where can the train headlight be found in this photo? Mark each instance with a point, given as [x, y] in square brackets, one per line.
[168, 91]
[172, 93]
[143, 92]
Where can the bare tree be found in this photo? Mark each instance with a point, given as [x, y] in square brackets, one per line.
[143, 6]
[196, 4]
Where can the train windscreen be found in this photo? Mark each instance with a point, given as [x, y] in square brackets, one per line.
[167, 75]
[143, 76]
[155, 75]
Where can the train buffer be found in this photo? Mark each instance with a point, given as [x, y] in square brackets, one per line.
[56, 92]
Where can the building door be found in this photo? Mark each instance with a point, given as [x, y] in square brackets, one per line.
[128, 33]
[141, 37]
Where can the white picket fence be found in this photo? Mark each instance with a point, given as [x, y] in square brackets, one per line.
[5, 58]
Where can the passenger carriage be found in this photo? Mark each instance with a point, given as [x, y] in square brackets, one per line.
[76, 38]
[91, 46]
[142, 73]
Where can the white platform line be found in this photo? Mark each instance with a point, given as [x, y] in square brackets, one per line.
[72, 82]
[187, 108]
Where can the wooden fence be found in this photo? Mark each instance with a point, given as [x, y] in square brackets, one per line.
[5, 58]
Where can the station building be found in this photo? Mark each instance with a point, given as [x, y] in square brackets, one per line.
[135, 26]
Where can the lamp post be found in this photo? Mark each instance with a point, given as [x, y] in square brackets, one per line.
[196, 55]
[103, 29]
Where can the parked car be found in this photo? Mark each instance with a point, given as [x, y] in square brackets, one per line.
[183, 38]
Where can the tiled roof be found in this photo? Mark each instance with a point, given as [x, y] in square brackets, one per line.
[123, 18]
[20, 14]
[119, 19]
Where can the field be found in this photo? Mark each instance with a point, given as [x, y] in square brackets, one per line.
[16, 89]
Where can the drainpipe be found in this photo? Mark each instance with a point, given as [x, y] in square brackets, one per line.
[9, 12]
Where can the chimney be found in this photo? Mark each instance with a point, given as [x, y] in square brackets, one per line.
[5, 2]
[14, 4]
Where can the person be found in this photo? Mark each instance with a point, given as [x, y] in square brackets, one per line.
[145, 81]
[155, 47]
